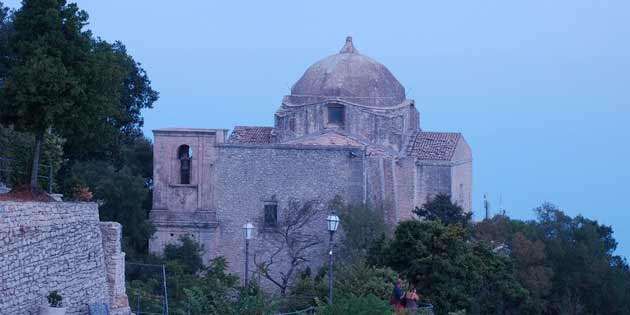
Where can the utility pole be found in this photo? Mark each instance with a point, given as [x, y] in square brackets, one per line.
[165, 292]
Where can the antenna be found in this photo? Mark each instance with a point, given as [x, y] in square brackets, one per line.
[486, 205]
[501, 207]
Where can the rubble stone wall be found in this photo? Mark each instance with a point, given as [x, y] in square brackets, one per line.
[46, 246]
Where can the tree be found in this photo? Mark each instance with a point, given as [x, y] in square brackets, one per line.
[122, 198]
[49, 51]
[580, 253]
[360, 280]
[452, 273]
[187, 252]
[194, 288]
[434, 258]
[18, 146]
[292, 242]
[118, 89]
[306, 290]
[6, 32]
[566, 263]
[443, 209]
[60, 80]
[362, 226]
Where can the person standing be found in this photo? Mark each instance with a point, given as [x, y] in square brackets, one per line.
[412, 300]
[397, 296]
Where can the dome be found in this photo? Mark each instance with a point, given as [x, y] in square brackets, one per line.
[348, 76]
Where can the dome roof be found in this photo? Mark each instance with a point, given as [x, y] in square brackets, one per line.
[348, 76]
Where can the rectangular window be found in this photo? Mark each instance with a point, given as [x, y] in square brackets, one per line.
[336, 115]
[271, 214]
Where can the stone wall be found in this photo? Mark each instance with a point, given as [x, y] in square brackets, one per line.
[111, 233]
[386, 127]
[249, 176]
[58, 246]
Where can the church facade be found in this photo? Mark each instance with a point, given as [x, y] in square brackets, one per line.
[346, 130]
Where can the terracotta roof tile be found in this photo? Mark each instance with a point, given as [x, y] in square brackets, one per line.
[433, 145]
[251, 135]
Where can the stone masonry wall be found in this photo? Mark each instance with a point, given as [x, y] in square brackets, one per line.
[247, 177]
[115, 268]
[386, 127]
[54, 246]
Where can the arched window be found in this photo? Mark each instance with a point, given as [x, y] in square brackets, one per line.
[184, 154]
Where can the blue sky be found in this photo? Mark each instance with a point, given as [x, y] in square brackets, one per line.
[540, 89]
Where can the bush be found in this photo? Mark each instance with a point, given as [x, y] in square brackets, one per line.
[362, 280]
[353, 305]
[54, 299]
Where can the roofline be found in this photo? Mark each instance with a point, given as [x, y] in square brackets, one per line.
[291, 146]
[422, 162]
[343, 101]
[188, 130]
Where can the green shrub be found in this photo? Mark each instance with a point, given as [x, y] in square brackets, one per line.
[54, 299]
[359, 279]
[364, 305]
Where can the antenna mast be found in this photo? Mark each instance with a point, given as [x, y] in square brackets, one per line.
[486, 205]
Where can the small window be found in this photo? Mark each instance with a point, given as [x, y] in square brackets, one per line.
[184, 154]
[336, 115]
[271, 214]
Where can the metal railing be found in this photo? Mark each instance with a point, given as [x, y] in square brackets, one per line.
[310, 310]
[8, 168]
[149, 301]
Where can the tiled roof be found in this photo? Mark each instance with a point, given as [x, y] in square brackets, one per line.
[330, 138]
[251, 135]
[433, 145]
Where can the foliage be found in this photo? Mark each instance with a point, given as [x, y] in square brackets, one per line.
[6, 32]
[118, 89]
[579, 251]
[566, 264]
[54, 299]
[307, 290]
[351, 280]
[443, 209]
[187, 253]
[197, 289]
[360, 280]
[46, 76]
[362, 226]
[18, 147]
[121, 196]
[364, 305]
[450, 272]
[58, 78]
[82, 193]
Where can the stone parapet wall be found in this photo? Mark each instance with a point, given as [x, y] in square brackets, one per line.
[115, 268]
[46, 246]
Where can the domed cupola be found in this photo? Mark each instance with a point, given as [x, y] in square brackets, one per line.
[348, 76]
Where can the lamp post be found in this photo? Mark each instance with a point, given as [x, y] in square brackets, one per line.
[248, 231]
[333, 224]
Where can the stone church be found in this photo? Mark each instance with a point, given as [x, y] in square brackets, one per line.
[347, 130]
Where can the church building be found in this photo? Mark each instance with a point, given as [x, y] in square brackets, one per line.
[346, 130]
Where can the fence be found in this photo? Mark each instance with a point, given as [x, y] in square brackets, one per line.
[425, 309]
[10, 168]
[310, 310]
[146, 288]
[147, 292]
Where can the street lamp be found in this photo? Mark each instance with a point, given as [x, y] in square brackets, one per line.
[248, 231]
[333, 224]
